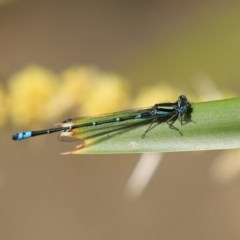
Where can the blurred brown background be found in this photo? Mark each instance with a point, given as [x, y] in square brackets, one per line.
[48, 196]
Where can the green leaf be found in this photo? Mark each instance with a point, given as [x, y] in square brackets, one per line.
[214, 125]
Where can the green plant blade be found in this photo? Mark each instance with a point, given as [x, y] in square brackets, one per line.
[215, 125]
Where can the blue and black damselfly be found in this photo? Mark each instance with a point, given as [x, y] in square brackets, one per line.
[160, 112]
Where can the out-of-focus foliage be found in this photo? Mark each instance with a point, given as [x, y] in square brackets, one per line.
[2, 2]
[208, 44]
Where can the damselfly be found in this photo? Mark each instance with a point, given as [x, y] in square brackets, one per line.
[160, 112]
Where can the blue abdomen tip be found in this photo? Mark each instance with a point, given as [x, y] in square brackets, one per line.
[22, 135]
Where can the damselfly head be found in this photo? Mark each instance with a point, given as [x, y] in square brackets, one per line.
[182, 100]
[183, 104]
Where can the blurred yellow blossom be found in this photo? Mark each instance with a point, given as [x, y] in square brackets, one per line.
[75, 86]
[110, 93]
[89, 91]
[3, 107]
[78, 82]
[30, 91]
